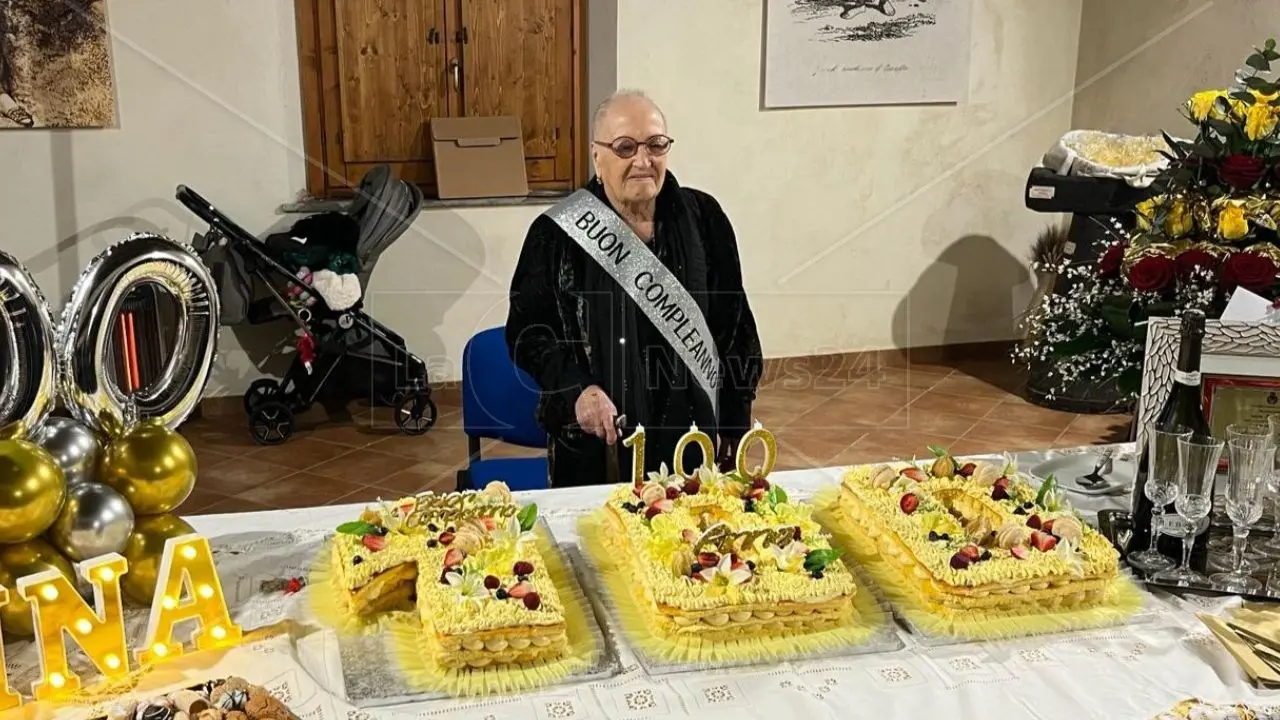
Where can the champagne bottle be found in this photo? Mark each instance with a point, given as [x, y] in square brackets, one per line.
[1183, 408]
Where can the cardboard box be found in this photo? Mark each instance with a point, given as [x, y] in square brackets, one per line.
[479, 157]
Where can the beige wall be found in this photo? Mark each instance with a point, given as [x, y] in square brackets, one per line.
[859, 227]
[1141, 59]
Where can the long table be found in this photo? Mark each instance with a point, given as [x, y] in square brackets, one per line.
[1135, 671]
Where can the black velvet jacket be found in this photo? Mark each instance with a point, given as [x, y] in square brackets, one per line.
[571, 325]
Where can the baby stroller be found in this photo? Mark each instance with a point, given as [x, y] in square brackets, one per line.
[342, 353]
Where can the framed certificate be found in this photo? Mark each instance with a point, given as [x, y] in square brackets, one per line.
[1239, 399]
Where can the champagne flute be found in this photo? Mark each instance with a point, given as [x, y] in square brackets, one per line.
[1198, 457]
[1251, 466]
[1161, 488]
[1271, 547]
[1221, 548]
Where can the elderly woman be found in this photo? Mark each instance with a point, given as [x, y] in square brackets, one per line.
[627, 308]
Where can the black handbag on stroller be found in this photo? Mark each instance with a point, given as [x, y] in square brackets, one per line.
[341, 352]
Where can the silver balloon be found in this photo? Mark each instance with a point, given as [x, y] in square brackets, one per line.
[88, 320]
[95, 520]
[28, 365]
[73, 445]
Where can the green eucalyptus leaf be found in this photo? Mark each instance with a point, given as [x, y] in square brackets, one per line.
[1050, 485]
[527, 516]
[357, 527]
[818, 560]
[776, 495]
[1258, 62]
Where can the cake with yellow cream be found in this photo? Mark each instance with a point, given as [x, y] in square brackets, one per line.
[466, 564]
[722, 557]
[974, 539]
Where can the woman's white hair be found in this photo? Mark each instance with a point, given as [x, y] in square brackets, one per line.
[602, 110]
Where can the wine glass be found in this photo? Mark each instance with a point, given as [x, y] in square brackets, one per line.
[1271, 547]
[1198, 457]
[1222, 547]
[1250, 469]
[1161, 488]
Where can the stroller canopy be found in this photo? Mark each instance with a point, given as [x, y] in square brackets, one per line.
[385, 208]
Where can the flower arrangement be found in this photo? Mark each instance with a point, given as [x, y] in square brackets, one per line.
[1210, 227]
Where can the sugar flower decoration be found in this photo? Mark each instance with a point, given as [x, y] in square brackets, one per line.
[395, 515]
[1067, 553]
[708, 476]
[663, 476]
[728, 573]
[469, 586]
[510, 536]
[791, 558]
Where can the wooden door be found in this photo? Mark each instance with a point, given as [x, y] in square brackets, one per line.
[517, 59]
[391, 57]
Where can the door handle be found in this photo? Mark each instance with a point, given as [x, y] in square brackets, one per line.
[456, 69]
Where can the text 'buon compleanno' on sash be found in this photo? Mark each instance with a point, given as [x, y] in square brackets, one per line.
[666, 302]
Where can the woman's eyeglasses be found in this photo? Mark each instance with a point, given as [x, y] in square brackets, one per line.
[626, 148]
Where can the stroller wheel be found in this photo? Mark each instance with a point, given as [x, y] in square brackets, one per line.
[260, 391]
[415, 413]
[271, 422]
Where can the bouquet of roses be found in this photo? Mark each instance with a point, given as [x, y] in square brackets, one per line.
[1210, 229]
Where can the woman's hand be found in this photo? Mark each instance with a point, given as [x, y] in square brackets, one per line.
[595, 413]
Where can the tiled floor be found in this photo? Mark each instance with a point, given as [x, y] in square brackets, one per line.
[832, 419]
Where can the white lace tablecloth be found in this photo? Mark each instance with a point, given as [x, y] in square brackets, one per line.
[1136, 671]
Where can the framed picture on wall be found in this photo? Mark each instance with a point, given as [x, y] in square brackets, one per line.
[866, 52]
[55, 65]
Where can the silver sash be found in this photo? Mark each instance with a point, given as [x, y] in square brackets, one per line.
[607, 239]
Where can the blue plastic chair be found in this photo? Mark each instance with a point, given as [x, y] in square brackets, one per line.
[499, 401]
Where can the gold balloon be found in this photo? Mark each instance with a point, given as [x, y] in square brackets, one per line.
[151, 465]
[16, 430]
[143, 551]
[32, 490]
[21, 560]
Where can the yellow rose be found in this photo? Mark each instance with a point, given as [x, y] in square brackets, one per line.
[1147, 210]
[1202, 104]
[1232, 224]
[1259, 121]
[1178, 221]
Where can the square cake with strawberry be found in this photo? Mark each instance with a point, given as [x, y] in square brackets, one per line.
[466, 563]
[724, 557]
[974, 538]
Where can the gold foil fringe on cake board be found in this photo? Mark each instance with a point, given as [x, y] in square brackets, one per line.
[869, 627]
[1123, 603]
[414, 649]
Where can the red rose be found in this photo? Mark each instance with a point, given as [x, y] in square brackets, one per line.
[1109, 263]
[1241, 171]
[1249, 271]
[1152, 273]
[1191, 260]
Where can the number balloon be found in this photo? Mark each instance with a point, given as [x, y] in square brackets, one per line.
[89, 319]
[40, 363]
[28, 366]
